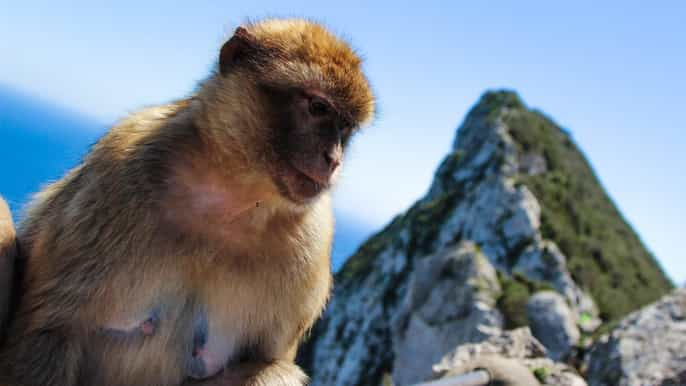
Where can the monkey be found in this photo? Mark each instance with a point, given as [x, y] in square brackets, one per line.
[8, 256]
[192, 244]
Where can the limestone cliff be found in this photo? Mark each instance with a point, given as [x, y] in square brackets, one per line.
[514, 210]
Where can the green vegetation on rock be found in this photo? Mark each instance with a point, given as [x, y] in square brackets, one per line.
[604, 254]
[516, 291]
[542, 374]
[361, 262]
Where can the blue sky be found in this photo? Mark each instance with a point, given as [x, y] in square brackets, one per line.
[611, 72]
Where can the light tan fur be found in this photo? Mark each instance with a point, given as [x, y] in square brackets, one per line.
[174, 206]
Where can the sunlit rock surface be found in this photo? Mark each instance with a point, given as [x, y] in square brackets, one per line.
[647, 348]
[451, 297]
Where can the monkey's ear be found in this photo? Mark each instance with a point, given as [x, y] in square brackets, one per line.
[241, 46]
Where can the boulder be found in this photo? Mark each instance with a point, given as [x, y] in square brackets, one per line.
[647, 348]
[552, 323]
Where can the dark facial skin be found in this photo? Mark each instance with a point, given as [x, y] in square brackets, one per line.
[309, 137]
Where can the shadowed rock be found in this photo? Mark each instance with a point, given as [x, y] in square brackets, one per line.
[552, 323]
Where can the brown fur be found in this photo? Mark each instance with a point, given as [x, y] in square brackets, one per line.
[180, 205]
[8, 256]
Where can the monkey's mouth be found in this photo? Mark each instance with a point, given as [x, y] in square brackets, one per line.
[297, 186]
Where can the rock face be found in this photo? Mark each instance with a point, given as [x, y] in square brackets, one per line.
[514, 209]
[451, 297]
[647, 348]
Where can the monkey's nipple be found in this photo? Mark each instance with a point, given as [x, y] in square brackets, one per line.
[148, 327]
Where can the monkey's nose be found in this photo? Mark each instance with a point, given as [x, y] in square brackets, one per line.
[322, 167]
[332, 160]
[333, 157]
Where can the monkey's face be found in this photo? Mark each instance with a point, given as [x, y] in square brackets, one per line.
[314, 95]
[308, 136]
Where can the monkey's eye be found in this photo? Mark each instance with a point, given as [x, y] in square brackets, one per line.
[348, 124]
[319, 108]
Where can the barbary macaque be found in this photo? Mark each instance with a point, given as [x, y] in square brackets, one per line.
[192, 244]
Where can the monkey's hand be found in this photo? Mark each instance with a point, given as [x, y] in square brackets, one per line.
[279, 373]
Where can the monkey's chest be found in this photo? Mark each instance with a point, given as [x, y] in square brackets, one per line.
[255, 317]
[230, 318]
[247, 320]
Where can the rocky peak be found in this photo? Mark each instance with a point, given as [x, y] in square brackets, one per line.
[514, 209]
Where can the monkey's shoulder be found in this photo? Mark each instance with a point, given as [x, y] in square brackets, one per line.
[151, 117]
[144, 129]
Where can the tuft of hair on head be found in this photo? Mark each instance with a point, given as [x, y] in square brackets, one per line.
[301, 52]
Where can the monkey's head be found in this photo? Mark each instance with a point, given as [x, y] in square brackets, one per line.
[297, 94]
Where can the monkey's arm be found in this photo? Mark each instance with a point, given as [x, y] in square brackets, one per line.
[8, 254]
[53, 348]
[46, 342]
